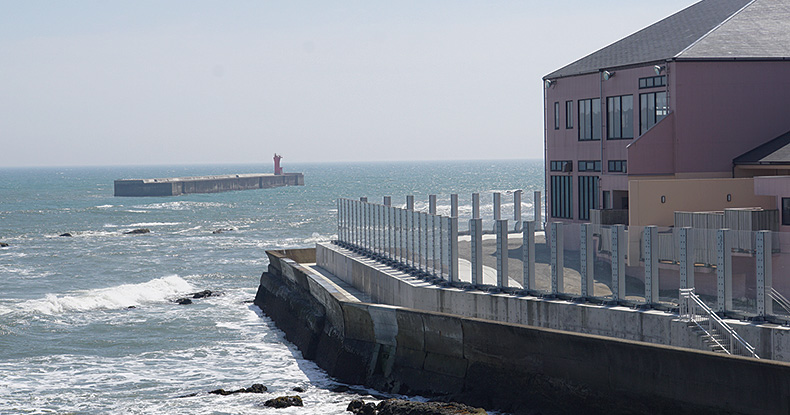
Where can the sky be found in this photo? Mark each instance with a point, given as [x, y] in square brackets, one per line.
[100, 83]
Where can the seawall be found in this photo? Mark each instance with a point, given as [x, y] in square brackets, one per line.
[204, 184]
[515, 367]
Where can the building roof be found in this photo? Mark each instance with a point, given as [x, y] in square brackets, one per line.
[774, 152]
[709, 29]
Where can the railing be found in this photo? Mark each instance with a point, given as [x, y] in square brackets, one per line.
[780, 299]
[694, 310]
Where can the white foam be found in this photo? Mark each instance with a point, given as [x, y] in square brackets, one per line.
[121, 296]
[156, 224]
[104, 206]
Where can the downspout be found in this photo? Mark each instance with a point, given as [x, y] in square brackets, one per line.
[603, 130]
[545, 205]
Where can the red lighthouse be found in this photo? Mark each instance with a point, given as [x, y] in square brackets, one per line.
[277, 169]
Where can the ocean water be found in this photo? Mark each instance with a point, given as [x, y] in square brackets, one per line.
[88, 324]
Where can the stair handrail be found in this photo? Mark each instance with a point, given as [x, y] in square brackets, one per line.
[690, 300]
[780, 299]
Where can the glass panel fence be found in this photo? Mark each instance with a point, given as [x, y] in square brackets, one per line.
[602, 261]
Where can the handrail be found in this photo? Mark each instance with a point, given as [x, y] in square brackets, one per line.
[780, 299]
[718, 332]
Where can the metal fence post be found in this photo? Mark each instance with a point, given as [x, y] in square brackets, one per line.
[517, 211]
[476, 234]
[618, 262]
[475, 205]
[587, 263]
[501, 254]
[538, 211]
[764, 270]
[432, 204]
[724, 270]
[651, 265]
[454, 205]
[528, 256]
[453, 254]
[418, 217]
[410, 202]
[497, 206]
[686, 252]
[557, 258]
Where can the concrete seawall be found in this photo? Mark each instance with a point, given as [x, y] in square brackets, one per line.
[204, 184]
[515, 367]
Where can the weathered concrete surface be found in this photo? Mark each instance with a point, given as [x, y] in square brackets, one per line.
[204, 184]
[513, 367]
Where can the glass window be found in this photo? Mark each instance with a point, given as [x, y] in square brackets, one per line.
[652, 109]
[620, 117]
[617, 166]
[786, 211]
[589, 165]
[653, 81]
[561, 197]
[590, 119]
[568, 114]
[556, 115]
[588, 195]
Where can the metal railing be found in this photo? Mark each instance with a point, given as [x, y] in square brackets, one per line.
[780, 299]
[716, 330]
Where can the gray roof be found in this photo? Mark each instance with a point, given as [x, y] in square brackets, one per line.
[710, 29]
[776, 151]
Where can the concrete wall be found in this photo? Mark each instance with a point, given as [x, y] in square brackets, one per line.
[513, 367]
[211, 184]
[692, 195]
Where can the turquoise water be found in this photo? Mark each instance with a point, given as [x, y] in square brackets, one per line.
[69, 341]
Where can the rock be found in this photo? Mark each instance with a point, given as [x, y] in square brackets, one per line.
[222, 230]
[339, 388]
[284, 402]
[202, 294]
[138, 231]
[255, 388]
[3, 245]
[131, 307]
[355, 404]
[367, 409]
[183, 301]
[403, 407]
[65, 234]
[298, 389]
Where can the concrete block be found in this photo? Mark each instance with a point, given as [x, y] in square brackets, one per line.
[357, 322]
[445, 365]
[411, 333]
[443, 335]
[385, 324]
[409, 357]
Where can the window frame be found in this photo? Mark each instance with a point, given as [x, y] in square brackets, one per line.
[569, 114]
[616, 118]
[615, 163]
[556, 115]
[649, 110]
[587, 119]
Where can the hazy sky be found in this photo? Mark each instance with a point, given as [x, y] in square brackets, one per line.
[174, 82]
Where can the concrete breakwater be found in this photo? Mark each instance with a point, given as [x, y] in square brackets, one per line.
[515, 367]
[204, 184]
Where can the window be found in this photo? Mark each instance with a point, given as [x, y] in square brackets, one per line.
[607, 203]
[617, 166]
[568, 114]
[561, 197]
[563, 165]
[652, 109]
[589, 119]
[556, 115]
[786, 211]
[589, 165]
[588, 195]
[652, 81]
[620, 116]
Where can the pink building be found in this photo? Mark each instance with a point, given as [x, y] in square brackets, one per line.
[687, 114]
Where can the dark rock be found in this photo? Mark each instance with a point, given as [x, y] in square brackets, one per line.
[222, 392]
[284, 402]
[255, 388]
[202, 294]
[3, 245]
[367, 409]
[355, 404]
[189, 395]
[138, 231]
[65, 234]
[131, 307]
[298, 389]
[403, 407]
[183, 301]
[222, 230]
[339, 389]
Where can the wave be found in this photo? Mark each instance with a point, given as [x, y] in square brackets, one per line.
[181, 205]
[121, 296]
[156, 224]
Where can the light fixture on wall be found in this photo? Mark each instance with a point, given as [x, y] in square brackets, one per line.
[729, 197]
[663, 199]
[659, 69]
[607, 75]
[550, 83]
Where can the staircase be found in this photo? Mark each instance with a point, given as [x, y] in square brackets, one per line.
[714, 331]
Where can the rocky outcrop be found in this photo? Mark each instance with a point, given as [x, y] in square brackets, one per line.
[3, 245]
[404, 407]
[221, 230]
[284, 402]
[183, 301]
[138, 231]
[66, 234]
[203, 294]
[256, 388]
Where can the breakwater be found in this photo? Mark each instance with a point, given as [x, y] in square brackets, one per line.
[515, 367]
[175, 186]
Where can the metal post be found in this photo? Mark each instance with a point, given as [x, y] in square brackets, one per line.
[410, 202]
[413, 237]
[764, 270]
[724, 270]
[686, 251]
[453, 233]
[557, 258]
[475, 205]
[387, 200]
[501, 254]
[587, 263]
[454, 205]
[618, 262]
[418, 217]
[538, 211]
[497, 206]
[476, 233]
[651, 265]
[517, 210]
[432, 204]
[363, 199]
[528, 256]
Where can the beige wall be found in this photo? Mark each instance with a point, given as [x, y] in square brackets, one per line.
[693, 195]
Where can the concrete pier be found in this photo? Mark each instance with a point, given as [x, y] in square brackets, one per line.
[175, 186]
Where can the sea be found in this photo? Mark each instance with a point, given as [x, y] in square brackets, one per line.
[88, 322]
